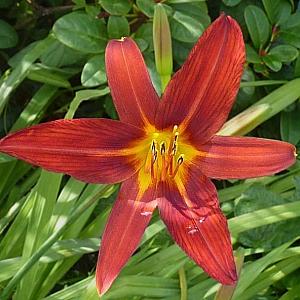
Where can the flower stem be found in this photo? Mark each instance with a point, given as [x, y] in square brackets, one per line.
[183, 284]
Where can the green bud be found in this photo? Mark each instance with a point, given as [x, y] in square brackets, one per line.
[162, 45]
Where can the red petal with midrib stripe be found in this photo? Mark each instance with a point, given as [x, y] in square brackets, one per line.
[133, 93]
[227, 157]
[200, 95]
[92, 150]
[193, 217]
[128, 220]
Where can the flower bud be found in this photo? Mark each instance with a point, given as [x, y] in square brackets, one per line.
[162, 45]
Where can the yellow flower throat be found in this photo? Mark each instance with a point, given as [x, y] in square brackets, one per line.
[164, 158]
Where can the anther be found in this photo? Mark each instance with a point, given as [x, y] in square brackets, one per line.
[164, 165]
[176, 136]
[150, 157]
[180, 159]
[162, 148]
[153, 146]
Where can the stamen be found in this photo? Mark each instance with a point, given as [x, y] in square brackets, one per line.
[153, 146]
[171, 165]
[180, 160]
[168, 163]
[173, 144]
[163, 160]
[179, 163]
[154, 167]
[154, 158]
[149, 158]
[162, 148]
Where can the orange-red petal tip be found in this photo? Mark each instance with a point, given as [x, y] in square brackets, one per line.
[231, 277]
[103, 284]
[134, 96]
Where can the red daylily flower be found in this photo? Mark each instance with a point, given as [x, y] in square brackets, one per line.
[163, 151]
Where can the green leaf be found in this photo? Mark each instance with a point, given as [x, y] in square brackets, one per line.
[116, 7]
[248, 76]
[297, 66]
[292, 294]
[252, 55]
[258, 26]
[185, 28]
[231, 2]
[110, 108]
[8, 35]
[35, 108]
[142, 44]
[290, 30]
[293, 22]
[21, 70]
[117, 27]
[262, 110]
[284, 53]
[81, 32]
[181, 51]
[278, 11]
[9, 267]
[260, 68]
[66, 248]
[81, 96]
[146, 6]
[251, 271]
[48, 77]
[289, 125]
[184, 1]
[272, 62]
[59, 55]
[93, 73]
[145, 32]
[5, 3]
[5, 158]
[197, 10]
[269, 236]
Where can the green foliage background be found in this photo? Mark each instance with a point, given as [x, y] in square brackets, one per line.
[52, 66]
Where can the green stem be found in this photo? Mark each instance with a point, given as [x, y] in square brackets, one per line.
[183, 284]
[7, 291]
[261, 83]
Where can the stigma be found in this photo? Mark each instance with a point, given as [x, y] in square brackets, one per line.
[163, 159]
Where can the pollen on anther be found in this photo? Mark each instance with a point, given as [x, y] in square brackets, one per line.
[153, 146]
[180, 159]
[162, 148]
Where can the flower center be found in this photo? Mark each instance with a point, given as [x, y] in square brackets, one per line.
[164, 159]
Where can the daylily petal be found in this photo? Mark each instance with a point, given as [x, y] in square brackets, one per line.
[234, 157]
[92, 150]
[193, 217]
[130, 216]
[201, 93]
[133, 93]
